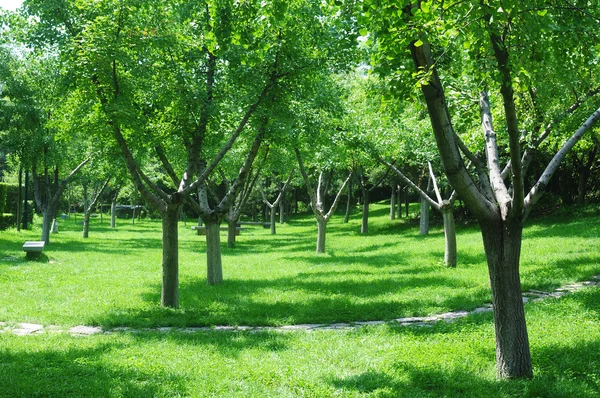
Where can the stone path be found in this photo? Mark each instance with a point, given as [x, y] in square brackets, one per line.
[24, 329]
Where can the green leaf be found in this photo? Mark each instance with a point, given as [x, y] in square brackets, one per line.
[418, 43]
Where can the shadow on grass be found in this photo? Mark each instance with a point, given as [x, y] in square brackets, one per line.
[230, 344]
[327, 297]
[79, 372]
[560, 371]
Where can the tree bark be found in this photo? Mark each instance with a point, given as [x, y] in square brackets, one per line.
[424, 218]
[273, 210]
[86, 225]
[322, 230]
[364, 228]
[113, 212]
[399, 200]
[231, 230]
[348, 203]
[170, 257]
[449, 236]
[19, 198]
[393, 203]
[502, 244]
[282, 212]
[214, 266]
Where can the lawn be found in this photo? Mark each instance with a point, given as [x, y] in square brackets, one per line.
[113, 279]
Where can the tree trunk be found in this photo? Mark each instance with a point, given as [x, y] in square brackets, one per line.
[424, 219]
[282, 212]
[399, 191]
[393, 203]
[348, 202]
[322, 229]
[214, 267]
[272, 220]
[20, 198]
[406, 202]
[170, 258]
[113, 213]
[502, 243]
[47, 216]
[231, 229]
[26, 201]
[450, 237]
[86, 225]
[364, 228]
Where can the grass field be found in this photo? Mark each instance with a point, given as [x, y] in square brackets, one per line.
[113, 279]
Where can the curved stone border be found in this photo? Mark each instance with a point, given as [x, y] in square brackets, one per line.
[25, 329]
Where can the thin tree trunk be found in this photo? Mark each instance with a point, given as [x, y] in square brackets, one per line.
[502, 243]
[282, 212]
[399, 192]
[406, 202]
[322, 229]
[449, 236]
[424, 219]
[272, 220]
[214, 267]
[393, 203]
[348, 202]
[113, 213]
[19, 198]
[364, 228]
[170, 257]
[26, 201]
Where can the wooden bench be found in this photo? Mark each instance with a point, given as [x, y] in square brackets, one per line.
[202, 229]
[264, 224]
[33, 249]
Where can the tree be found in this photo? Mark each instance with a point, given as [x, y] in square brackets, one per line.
[316, 200]
[512, 48]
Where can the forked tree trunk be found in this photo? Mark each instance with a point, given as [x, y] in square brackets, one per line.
[364, 228]
[272, 219]
[424, 218]
[170, 258]
[502, 244]
[322, 230]
[393, 203]
[214, 266]
[449, 237]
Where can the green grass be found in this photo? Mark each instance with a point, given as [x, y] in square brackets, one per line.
[447, 360]
[113, 277]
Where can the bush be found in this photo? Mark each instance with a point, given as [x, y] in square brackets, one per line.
[7, 220]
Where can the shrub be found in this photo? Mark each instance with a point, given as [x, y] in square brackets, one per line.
[7, 220]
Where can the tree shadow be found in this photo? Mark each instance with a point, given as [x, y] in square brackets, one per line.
[231, 344]
[328, 297]
[79, 372]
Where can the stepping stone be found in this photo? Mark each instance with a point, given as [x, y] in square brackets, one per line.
[303, 326]
[24, 329]
[370, 323]
[85, 330]
[452, 316]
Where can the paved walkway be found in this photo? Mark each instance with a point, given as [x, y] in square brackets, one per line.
[24, 329]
